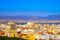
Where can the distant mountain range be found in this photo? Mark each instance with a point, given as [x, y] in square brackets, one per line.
[24, 17]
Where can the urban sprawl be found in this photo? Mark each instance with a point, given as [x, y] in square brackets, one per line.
[31, 31]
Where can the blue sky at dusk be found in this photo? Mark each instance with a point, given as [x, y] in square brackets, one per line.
[29, 7]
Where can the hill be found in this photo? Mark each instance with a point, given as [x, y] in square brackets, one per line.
[23, 17]
[10, 38]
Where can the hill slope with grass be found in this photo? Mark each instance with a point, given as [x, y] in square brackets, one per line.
[11, 38]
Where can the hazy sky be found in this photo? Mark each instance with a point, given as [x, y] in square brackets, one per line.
[30, 7]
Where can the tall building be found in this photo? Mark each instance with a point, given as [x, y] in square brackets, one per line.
[10, 29]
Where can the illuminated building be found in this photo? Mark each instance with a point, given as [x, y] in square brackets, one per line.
[10, 29]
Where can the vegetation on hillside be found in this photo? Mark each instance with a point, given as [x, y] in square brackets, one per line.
[11, 38]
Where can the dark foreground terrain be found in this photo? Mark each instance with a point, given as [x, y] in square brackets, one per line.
[10, 38]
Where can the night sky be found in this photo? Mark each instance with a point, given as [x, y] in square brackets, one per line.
[29, 7]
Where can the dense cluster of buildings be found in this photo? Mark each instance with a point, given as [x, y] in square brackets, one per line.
[31, 31]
